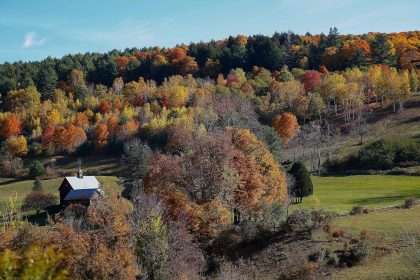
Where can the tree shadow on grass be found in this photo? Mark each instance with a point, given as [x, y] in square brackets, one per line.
[11, 181]
[382, 199]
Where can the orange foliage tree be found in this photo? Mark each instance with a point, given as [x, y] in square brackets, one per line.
[286, 125]
[101, 135]
[68, 138]
[10, 126]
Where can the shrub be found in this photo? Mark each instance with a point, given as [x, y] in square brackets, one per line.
[410, 202]
[358, 210]
[75, 211]
[36, 169]
[321, 218]
[273, 216]
[37, 186]
[338, 233]
[378, 155]
[407, 151]
[248, 230]
[354, 254]
[300, 220]
[38, 201]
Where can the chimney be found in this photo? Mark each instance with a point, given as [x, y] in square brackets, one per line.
[80, 173]
[79, 170]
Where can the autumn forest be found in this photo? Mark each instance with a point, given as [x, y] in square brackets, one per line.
[206, 136]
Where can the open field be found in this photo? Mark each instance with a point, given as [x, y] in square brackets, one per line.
[340, 194]
[10, 188]
[397, 229]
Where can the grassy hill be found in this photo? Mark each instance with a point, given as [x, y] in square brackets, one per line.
[340, 194]
[11, 188]
[395, 230]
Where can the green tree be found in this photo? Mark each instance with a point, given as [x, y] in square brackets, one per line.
[36, 169]
[285, 75]
[303, 183]
[384, 51]
[47, 81]
[37, 185]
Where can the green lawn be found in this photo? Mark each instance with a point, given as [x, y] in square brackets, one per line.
[340, 194]
[10, 188]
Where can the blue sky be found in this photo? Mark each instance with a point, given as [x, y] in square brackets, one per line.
[35, 29]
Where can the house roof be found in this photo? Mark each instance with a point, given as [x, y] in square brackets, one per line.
[86, 194]
[83, 183]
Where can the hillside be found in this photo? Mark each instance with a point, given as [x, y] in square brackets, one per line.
[207, 145]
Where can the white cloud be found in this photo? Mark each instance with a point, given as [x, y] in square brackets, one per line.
[31, 39]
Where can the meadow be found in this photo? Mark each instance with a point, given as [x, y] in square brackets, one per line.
[395, 229]
[18, 189]
[341, 194]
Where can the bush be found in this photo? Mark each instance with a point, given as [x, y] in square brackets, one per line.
[338, 233]
[75, 211]
[248, 230]
[273, 217]
[321, 218]
[300, 220]
[358, 210]
[37, 186]
[410, 202]
[378, 155]
[38, 201]
[36, 169]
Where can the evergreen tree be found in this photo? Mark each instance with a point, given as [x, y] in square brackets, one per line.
[37, 186]
[303, 182]
[47, 81]
[36, 169]
[384, 51]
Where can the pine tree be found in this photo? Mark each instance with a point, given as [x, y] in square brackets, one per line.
[37, 186]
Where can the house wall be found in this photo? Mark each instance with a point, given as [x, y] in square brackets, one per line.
[64, 190]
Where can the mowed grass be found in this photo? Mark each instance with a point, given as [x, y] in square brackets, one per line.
[11, 188]
[340, 194]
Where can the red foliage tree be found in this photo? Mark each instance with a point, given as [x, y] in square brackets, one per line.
[311, 80]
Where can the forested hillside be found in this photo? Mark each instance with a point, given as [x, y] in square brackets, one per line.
[204, 135]
[82, 104]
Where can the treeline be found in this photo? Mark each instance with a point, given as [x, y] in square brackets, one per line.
[333, 51]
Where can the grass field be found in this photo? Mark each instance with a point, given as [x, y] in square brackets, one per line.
[10, 188]
[397, 229]
[340, 194]
[393, 228]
